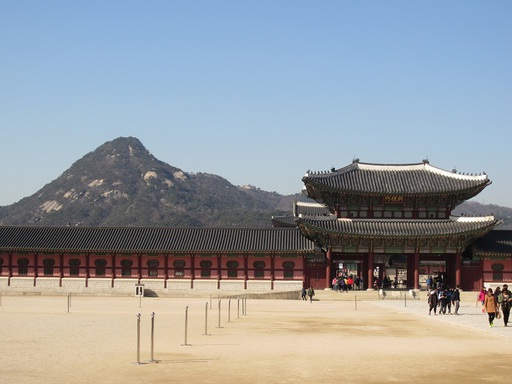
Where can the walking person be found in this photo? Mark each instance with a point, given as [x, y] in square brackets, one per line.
[311, 293]
[441, 296]
[481, 296]
[432, 301]
[456, 300]
[303, 294]
[341, 284]
[448, 293]
[497, 293]
[490, 306]
[505, 301]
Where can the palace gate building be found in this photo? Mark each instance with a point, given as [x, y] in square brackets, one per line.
[378, 222]
[394, 222]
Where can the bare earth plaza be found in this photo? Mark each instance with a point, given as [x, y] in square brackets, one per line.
[275, 341]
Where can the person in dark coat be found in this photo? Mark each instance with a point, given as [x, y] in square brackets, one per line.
[505, 301]
[311, 293]
[456, 300]
[432, 301]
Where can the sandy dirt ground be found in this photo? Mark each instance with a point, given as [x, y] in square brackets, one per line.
[276, 341]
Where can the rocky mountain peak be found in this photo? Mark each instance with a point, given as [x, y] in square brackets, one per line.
[122, 184]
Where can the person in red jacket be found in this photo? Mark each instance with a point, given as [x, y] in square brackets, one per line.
[350, 283]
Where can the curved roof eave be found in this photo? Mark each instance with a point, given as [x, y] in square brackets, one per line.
[385, 228]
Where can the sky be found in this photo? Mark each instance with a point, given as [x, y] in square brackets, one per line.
[257, 92]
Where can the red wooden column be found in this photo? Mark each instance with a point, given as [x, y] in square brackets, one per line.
[11, 270]
[416, 269]
[369, 277]
[192, 270]
[246, 270]
[272, 271]
[36, 268]
[139, 268]
[166, 269]
[113, 261]
[219, 270]
[61, 268]
[87, 271]
[304, 270]
[328, 277]
[458, 267]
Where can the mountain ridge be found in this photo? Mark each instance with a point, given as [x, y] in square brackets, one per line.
[121, 183]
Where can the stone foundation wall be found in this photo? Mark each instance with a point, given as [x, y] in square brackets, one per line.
[178, 285]
[22, 282]
[73, 284]
[259, 285]
[126, 285]
[231, 285]
[100, 284]
[287, 285]
[205, 285]
[48, 282]
[153, 287]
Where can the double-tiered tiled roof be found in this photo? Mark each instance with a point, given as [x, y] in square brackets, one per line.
[383, 228]
[153, 240]
[402, 179]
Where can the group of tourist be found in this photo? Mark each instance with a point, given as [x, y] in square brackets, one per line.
[444, 298]
[345, 283]
[495, 303]
[305, 293]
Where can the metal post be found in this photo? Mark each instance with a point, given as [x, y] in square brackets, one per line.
[140, 300]
[355, 301]
[186, 324]
[405, 299]
[138, 338]
[152, 336]
[206, 318]
[1, 298]
[238, 311]
[68, 301]
[218, 326]
[229, 310]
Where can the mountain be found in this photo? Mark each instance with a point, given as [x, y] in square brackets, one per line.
[122, 184]
[473, 208]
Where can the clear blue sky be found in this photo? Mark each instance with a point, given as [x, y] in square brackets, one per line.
[257, 92]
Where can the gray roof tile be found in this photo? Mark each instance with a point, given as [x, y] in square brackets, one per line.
[494, 243]
[403, 179]
[153, 240]
[397, 228]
